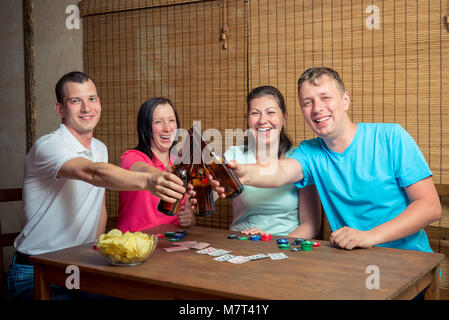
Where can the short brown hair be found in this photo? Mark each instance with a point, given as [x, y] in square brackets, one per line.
[74, 76]
[312, 74]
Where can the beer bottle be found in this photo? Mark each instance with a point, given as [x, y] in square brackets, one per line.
[218, 168]
[183, 170]
[204, 193]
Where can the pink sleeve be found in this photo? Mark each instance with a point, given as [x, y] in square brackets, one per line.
[131, 156]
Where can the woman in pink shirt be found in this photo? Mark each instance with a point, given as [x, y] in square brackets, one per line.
[157, 123]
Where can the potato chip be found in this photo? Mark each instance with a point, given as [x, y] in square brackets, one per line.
[126, 248]
[114, 233]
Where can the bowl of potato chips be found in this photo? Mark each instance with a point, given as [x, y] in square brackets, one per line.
[126, 249]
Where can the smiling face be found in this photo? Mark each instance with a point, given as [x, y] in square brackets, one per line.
[164, 128]
[266, 119]
[324, 107]
[81, 108]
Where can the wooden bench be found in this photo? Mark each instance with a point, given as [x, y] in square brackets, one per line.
[439, 231]
[438, 234]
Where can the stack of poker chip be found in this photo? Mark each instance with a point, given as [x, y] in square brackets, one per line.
[307, 246]
[254, 237]
[175, 236]
[266, 237]
[297, 242]
[283, 244]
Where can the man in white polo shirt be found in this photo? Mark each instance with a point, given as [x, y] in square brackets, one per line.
[66, 172]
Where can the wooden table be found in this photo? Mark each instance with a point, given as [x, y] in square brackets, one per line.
[323, 273]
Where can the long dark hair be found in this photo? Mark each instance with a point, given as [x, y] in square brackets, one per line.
[145, 123]
[284, 141]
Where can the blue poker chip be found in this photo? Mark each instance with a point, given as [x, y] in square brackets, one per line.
[254, 237]
[232, 236]
[282, 241]
[178, 235]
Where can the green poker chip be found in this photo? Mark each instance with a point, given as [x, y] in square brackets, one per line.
[307, 246]
[173, 239]
[169, 234]
[284, 246]
[242, 238]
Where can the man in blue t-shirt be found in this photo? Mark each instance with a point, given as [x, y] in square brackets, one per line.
[374, 183]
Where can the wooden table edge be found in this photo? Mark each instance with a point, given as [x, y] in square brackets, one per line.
[429, 281]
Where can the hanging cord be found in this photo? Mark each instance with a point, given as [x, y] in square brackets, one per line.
[446, 17]
[224, 31]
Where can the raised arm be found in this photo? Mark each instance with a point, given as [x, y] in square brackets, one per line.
[273, 174]
[164, 185]
[263, 175]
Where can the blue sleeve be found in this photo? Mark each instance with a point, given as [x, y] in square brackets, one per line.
[410, 166]
[299, 154]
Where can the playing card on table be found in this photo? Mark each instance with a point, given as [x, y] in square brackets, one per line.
[257, 256]
[177, 248]
[238, 260]
[218, 253]
[226, 257]
[198, 246]
[207, 250]
[277, 256]
[184, 243]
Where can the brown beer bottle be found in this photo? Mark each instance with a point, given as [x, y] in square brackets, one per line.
[204, 193]
[217, 166]
[183, 171]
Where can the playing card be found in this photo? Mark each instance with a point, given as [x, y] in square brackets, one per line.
[226, 257]
[257, 256]
[238, 260]
[277, 256]
[184, 243]
[207, 250]
[198, 246]
[218, 253]
[177, 248]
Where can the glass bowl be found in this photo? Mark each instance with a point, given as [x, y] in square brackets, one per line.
[121, 259]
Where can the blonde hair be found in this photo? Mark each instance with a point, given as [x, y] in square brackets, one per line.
[312, 74]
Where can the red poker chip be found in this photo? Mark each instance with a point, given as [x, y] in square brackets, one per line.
[159, 235]
[266, 237]
[316, 244]
[95, 247]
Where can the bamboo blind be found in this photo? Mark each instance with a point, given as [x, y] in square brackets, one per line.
[138, 49]
[165, 50]
[396, 73]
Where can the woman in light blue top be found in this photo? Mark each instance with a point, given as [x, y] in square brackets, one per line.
[284, 211]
